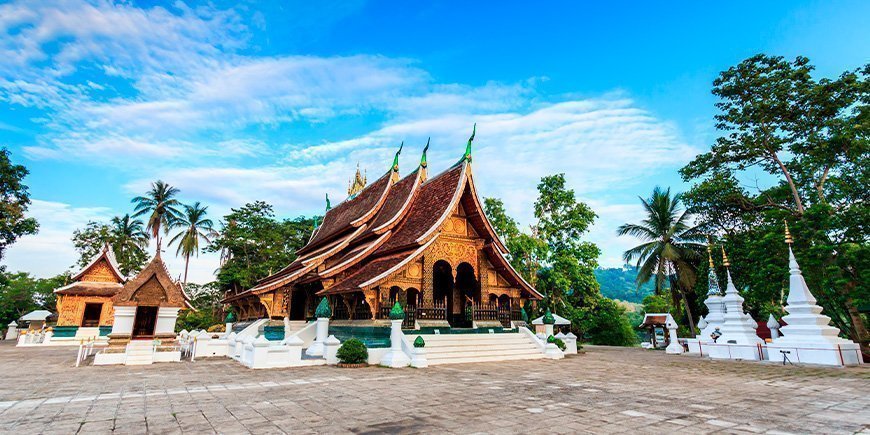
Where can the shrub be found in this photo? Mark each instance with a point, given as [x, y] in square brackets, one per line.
[353, 351]
[217, 328]
[557, 341]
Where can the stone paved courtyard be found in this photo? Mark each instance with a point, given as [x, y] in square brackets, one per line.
[606, 390]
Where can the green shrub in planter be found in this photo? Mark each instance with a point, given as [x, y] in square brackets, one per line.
[419, 342]
[557, 341]
[353, 351]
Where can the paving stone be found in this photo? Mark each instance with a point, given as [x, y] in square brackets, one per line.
[606, 390]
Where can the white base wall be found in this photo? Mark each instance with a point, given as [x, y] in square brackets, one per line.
[816, 353]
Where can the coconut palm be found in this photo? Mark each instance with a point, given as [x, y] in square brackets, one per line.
[671, 247]
[128, 238]
[160, 202]
[195, 227]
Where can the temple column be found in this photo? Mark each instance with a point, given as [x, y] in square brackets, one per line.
[428, 287]
[371, 296]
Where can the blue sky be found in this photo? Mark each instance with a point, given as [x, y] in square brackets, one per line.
[278, 101]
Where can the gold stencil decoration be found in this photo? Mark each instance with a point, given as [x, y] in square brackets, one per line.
[455, 252]
[415, 270]
[99, 272]
[151, 293]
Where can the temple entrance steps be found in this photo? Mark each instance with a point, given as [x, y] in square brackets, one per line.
[466, 348]
[296, 325]
[140, 352]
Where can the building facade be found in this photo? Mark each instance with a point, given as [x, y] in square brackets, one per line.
[84, 307]
[423, 241]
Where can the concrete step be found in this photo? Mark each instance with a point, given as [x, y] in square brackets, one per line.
[488, 358]
[477, 349]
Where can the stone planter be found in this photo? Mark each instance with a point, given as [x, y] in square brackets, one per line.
[352, 366]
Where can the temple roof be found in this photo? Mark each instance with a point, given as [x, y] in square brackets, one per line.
[388, 224]
[153, 286]
[80, 288]
[106, 254]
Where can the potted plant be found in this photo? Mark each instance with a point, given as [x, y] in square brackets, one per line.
[352, 353]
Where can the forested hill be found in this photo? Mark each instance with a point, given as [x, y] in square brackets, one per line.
[618, 283]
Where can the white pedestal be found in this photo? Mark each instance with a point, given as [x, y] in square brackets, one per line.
[316, 348]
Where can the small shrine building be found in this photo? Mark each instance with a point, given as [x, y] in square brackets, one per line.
[420, 240]
[84, 307]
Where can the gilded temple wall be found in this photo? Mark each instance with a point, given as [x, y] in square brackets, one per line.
[71, 309]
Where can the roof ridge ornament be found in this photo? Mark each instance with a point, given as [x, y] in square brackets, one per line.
[395, 168]
[467, 156]
[328, 204]
[424, 173]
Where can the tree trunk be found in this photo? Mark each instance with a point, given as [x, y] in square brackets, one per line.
[791, 185]
[186, 264]
[688, 311]
[859, 331]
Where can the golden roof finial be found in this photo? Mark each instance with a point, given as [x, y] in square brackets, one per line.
[710, 252]
[788, 239]
[725, 261]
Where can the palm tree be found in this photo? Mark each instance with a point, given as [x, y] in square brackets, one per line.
[671, 247]
[161, 203]
[128, 235]
[196, 227]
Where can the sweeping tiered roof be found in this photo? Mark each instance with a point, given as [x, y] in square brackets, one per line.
[387, 225]
[100, 277]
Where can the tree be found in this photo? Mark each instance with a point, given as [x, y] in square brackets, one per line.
[124, 234]
[195, 227]
[810, 138]
[160, 202]
[253, 244]
[670, 250]
[16, 199]
[554, 258]
[128, 240]
[21, 293]
[206, 299]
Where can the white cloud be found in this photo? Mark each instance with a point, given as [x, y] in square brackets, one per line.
[51, 251]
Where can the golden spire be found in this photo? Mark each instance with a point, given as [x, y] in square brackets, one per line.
[788, 239]
[725, 261]
[357, 183]
[710, 252]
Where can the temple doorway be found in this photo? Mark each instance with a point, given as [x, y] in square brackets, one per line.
[465, 293]
[442, 285]
[297, 304]
[144, 322]
[91, 317]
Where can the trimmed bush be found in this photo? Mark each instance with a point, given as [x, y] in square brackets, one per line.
[353, 351]
[557, 342]
[217, 328]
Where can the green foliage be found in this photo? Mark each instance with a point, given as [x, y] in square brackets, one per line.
[124, 234]
[557, 341]
[558, 263]
[621, 283]
[353, 351]
[323, 311]
[253, 244]
[21, 293]
[671, 250]
[397, 313]
[16, 200]
[809, 137]
[162, 209]
[195, 227]
[206, 299]
[418, 342]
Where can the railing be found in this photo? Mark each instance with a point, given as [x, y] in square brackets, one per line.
[410, 320]
[435, 311]
[86, 349]
[362, 312]
[504, 316]
[485, 312]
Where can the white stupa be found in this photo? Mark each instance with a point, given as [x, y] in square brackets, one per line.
[715, 312]
[808, 336]
[739, 339]
[774, 326]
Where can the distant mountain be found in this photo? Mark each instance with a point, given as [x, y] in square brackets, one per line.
[618, 283]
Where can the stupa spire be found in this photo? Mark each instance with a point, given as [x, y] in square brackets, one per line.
[357, 183]
[424, 171]
[712, 279]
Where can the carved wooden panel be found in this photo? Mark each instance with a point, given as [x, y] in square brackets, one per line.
[70, 309]
[455, 225]
[100, 272]
[414, 270]
[454, 252]
[150, 293]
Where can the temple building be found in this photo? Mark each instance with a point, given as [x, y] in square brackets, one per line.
[420, 240]
[84, 307]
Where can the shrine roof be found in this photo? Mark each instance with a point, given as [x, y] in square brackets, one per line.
[107, 254]
[80, 288]
[353, 212]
